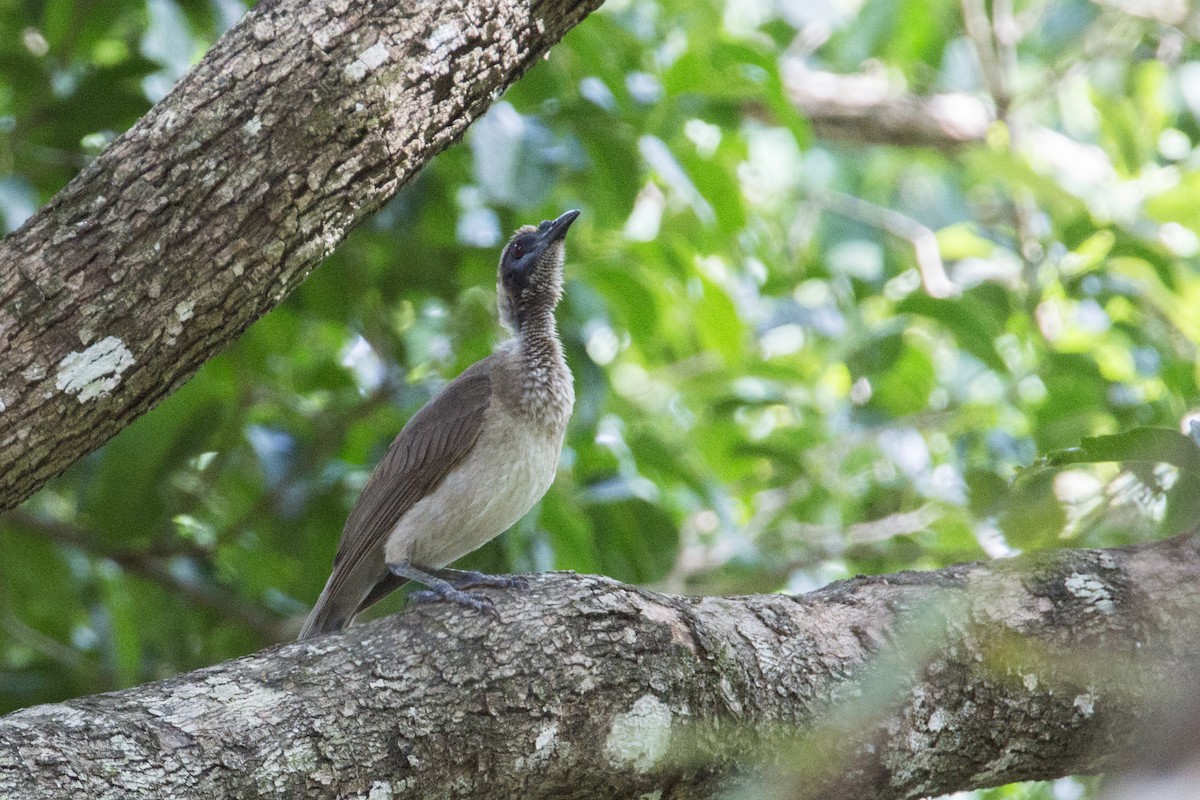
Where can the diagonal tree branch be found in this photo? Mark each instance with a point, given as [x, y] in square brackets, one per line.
[302, 120]
[898, 686]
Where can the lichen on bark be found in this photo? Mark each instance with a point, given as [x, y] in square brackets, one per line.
[300, 122]
[895, 686]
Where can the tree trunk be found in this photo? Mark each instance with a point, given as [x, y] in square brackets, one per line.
[896, 686]
[300, 122]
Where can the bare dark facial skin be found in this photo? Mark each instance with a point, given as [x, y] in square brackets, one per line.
[528, 263]
[520, 258]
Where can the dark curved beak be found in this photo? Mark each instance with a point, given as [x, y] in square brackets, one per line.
[557, 230]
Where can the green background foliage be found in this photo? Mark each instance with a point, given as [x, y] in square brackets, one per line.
[768, 398]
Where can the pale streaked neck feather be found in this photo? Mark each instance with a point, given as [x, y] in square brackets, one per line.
[546, 389]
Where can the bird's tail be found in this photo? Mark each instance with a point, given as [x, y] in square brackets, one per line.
[332, 612]
[344, 597]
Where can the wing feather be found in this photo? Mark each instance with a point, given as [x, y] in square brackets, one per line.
[433, 443]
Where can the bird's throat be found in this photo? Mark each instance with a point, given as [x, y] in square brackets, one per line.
[534, 324]
[546, 381]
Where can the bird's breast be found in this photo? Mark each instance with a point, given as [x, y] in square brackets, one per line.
[507, 471]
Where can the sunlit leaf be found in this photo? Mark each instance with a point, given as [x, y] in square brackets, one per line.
[1161, 445]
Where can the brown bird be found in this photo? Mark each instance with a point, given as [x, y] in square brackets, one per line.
[473, 460]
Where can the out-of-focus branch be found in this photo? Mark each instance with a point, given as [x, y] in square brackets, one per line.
[152, 564]
[1182, 14]
[923, 240]
[994, 40]
[47, 646]
[703, 570]
[867, 107]
[987, 51]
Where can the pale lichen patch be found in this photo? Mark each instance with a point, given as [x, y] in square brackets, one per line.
[671, 617]
[184, 309]
[60, 714]
[252, 126]
[640, 736]
[1085, 703]
[96, 371]
[380, 790]
[545, 746]
[369, 59]
[546, 737]
[264, 30]
[444, 33]
[1092, 590]
[324, 37]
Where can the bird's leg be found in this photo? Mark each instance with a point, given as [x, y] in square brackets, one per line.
[467, 578]
[439, 588]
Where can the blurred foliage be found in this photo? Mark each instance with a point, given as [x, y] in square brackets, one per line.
[768, 397]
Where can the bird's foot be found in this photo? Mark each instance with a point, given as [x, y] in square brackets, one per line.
[469, 578]
[448, 584]
[448, 593]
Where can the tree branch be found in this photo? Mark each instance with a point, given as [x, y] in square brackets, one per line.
[300, 122]
[865, 107]
[154, 566]
[897, 686]
[924, 243]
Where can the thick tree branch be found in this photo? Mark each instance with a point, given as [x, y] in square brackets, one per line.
[897, 686]
[301, 121]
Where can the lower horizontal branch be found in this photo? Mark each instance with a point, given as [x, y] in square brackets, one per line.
[893, 687]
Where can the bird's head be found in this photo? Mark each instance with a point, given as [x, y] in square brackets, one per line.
[530, 274]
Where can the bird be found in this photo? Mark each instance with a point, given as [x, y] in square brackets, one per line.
[473, 460]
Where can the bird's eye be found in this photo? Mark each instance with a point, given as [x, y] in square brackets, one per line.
[517, 251]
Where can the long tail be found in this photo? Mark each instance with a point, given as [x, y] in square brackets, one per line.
[337, 606]
[332, 612]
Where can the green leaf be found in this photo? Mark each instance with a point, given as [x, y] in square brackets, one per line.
[1183, 505]
[1033, 517]
[718, 323]
[971, 321]
[1158, 445]
[905, 387]
[637, 540]
[571, 533]
[986, 492]
[1180, 203]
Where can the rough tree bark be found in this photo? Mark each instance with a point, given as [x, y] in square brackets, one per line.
[302, 120]
[897, 686]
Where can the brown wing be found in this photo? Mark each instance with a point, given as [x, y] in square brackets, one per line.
[433, 443]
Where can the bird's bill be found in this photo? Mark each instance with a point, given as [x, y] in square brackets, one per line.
[557, 229]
